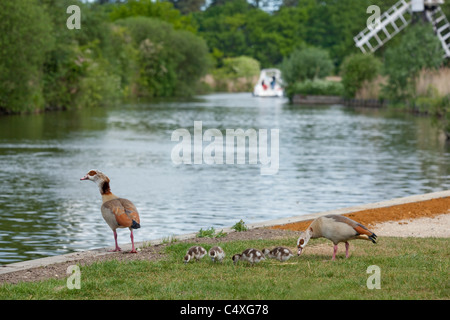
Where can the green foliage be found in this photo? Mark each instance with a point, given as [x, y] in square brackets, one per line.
[163, 10]
[316, 87]
[240, 67]
[438, 107]
[239, 226]
[170, 61]
[43, 64]
[333, 24]
[188, 6]
[236, 74]
[25, 39]
[149, 49]
[419, 48]
[306, 63]
[80, 70]
[236, 28]
[210, 233]
[356, 69]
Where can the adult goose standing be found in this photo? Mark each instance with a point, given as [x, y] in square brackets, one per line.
[117, 212]
[336, 228]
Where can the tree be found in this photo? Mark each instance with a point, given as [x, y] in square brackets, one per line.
[306, 63]
[82, 68]
[356, 69]
[237, 28]
[147, 8]
[333, 24]
[290, 3]
[170, 62]
[188, 6]
[224, 28]
[419, 48]
[25, 39]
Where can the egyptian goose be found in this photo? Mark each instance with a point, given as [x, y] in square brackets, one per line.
[195, 252]
[279, 253]
[117, 212]
[250, 255]
[336, 228]
[216, 254]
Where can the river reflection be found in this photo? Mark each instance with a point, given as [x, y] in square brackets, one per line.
[329, 157]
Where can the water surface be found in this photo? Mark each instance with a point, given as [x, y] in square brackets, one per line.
[330, 157]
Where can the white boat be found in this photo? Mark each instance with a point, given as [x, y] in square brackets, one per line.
[269, 84]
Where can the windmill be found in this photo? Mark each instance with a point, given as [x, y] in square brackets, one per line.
[398, 17]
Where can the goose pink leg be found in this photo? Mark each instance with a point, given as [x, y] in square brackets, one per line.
[347, 245]
[334, 252]
[132, 242]
[115, 240]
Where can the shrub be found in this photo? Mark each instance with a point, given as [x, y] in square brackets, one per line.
[438, 107]
[356, 69]
[237, 74]
[240, 226]
[419, 48]
[316, 87]
[78, 76]
[307, 63]
[210, 233]
[242, 66]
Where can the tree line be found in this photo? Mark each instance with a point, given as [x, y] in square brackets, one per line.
[141, 49]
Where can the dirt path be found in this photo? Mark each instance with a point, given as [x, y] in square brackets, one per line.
[429, 218]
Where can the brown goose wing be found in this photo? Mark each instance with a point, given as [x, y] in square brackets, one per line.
[358, 227]
[132, 214]
[121, 212]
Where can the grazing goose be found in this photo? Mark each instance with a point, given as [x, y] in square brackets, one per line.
[250, 255]
[336, 228]
[279, 253]
[216, 254]
[195, 252]
[117, 212]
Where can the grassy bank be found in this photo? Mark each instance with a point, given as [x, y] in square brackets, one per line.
[411, 268]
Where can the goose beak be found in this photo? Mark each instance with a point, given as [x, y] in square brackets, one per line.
[86, 177]
[299, 252]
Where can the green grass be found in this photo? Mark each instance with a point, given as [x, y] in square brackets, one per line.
[411, 268]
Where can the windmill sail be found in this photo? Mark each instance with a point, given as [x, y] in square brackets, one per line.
[391, 22]
[442, 28]
[398, 17]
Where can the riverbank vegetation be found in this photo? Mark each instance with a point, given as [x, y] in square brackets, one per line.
[410, 268]
[143, 49]
[138, 49]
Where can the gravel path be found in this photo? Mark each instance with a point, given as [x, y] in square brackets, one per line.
[438, 226]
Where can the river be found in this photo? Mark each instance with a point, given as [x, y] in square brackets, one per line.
[329, 157]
